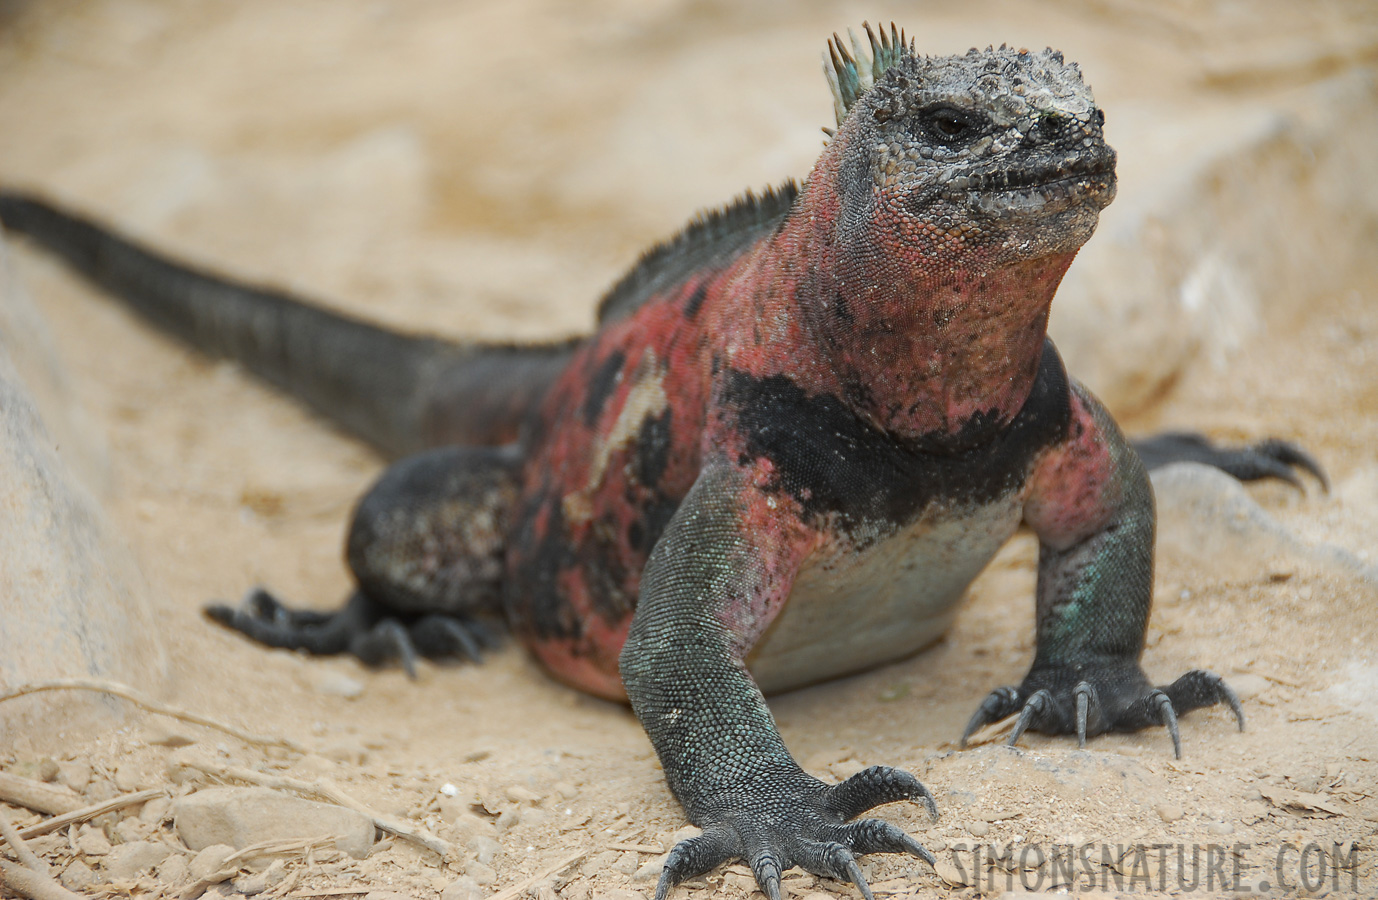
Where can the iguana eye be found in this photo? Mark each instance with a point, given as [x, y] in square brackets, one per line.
[947, 125]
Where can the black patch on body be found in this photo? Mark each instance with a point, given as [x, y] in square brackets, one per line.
[601, 385]
[651, 453]
[831, 461]
[531, 593]
[691, 306]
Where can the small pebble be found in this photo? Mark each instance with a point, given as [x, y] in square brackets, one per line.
[130, 777]
[76, 775]
[650, 871]
[48, 769]
[125, 862]
[485, 849]
[129, 829]
[210, 862]
[463, 888]
[92, 841]
[337, 684]
[155, 811]
[978, 829]
[1169, 812]
[480, 873]
[79, 877]
[176, 869]
[1220, 828]
[521, 794]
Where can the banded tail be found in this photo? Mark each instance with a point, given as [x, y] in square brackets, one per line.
[402, 393]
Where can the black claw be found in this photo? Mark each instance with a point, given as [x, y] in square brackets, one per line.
[879, 836]
[1032, 710]
[1167, 716]
[387, 640]
[462, 639]
[858, 879]
[695, 856]
[1199, 688]
[1290, 454]
[1235, 706]
[999, 703]
[767, 870]
[1084, 693]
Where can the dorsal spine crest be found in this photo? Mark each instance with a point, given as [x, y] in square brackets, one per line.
[852, 73]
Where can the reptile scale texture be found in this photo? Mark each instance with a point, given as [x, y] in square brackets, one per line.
[801, 428]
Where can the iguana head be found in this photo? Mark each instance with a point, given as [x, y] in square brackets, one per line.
[997, 151]
[937, 225]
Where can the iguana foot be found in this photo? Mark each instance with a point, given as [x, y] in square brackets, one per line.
[801, 822]
[363, 628]
[1091, 700]
[1271, 458]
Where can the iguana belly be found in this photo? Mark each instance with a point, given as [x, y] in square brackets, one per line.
[853, 609]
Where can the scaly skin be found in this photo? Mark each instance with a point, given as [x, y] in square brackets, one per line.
[801, 430]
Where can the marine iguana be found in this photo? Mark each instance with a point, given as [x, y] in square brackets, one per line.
[801, 429]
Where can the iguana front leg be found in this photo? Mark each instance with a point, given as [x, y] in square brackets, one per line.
[713, 583]
[1091, 504]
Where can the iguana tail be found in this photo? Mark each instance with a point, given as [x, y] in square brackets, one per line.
[402, 393]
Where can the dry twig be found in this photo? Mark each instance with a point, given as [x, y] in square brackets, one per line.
[31, 879]
[36, 795]
[115, 689]
[21, 849]
[56, 823]
[27, 883]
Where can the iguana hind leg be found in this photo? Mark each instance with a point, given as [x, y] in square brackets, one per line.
[426, 546]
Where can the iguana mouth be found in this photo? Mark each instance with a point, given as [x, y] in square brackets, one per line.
[1082, 179]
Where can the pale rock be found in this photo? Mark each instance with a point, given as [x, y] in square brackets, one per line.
[176, 869]
[650, 871]
[79, 877]
[463, 888]
[242, 816]
[125, 862]
[485, 849]
[480, 872]
[92, 841]
[210, 863]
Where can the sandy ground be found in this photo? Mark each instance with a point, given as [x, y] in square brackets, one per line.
[485, 171]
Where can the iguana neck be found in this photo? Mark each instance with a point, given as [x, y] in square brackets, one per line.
[928, 337]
